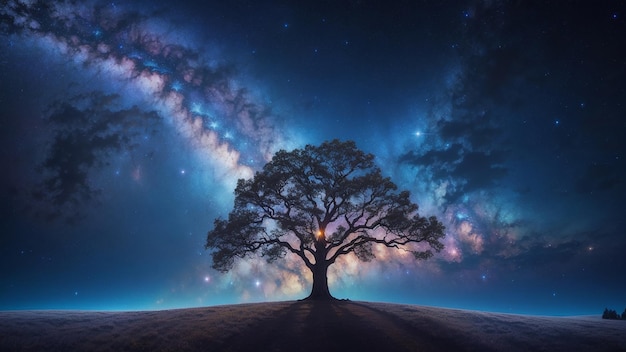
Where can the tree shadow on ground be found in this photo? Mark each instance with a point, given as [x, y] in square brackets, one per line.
[336, 326]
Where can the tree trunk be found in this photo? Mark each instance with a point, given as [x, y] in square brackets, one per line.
[320, 282]
[320, 270]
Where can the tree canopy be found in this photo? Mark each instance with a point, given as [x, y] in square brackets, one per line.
[319, 203]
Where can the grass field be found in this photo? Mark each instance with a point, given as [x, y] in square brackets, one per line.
[305, 326]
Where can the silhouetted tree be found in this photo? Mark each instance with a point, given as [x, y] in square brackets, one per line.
[624, 314]
[610, 314]
[319, 203]
[613, 314]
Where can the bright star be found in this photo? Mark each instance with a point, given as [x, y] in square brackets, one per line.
[177, 86]
[196, 109]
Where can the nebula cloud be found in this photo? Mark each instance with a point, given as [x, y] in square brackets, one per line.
[200, 99]
[124, 127]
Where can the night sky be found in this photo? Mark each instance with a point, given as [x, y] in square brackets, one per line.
[125, 125]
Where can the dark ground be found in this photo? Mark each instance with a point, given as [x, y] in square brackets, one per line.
[305, 326]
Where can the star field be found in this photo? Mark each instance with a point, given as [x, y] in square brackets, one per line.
[125, 126]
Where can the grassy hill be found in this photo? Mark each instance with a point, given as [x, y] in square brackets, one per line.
[305, 326]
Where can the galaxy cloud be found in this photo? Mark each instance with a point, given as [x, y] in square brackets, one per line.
[125, 126]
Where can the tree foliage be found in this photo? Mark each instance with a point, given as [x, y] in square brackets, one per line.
[612, 314]
[319, 203]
